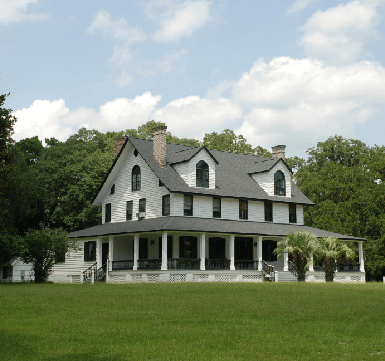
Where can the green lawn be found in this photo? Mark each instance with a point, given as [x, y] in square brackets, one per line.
[267, 321]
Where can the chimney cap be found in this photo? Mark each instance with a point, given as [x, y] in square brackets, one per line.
[277, 147]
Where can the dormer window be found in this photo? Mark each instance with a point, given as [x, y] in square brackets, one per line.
[135, 178]
[202, 174]
[279, 184]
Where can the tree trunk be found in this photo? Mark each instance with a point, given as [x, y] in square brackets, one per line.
[330, 267]
[300, 263]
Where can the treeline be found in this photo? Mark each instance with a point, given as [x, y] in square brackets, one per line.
[53, 185]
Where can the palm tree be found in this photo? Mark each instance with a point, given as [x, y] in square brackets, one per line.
[329, 251]
[300, 245]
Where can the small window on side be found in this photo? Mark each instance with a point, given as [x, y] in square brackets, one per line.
[142, 205]
[188, 205]
[107, 216]
[112, 191]
[243, 209]
[292, 213]
[129, 210]
[216, 208]
[166, 205]
[268, 212]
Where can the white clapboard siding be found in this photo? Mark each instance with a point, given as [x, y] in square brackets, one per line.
[74, 265]
[22, 271]
[266, 179]
[149, 189]
[280, 213]
[187, 170]
[256, 211]
[300, 215]
[203, 207]
[178, 204]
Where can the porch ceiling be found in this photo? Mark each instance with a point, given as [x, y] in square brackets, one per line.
[192, 224]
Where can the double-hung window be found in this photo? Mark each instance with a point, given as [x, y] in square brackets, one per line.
[292, 213]
[129, 210]
[202, 174]
[268, 211]
[188, 205]
[107, 214]
[90, 251]
[142, 205]
[216, 208]
[243, 209]
[166, 205]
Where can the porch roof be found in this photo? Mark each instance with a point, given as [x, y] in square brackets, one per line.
[192, 224]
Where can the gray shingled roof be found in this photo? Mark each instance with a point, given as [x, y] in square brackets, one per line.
[232, 172]
[191, 224]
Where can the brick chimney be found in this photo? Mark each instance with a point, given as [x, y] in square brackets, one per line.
[159, 139]
[119, 143]
[278, 152]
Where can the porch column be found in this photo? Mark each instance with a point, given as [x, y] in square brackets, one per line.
[311, 267]
[164, 251]
[259, 253]
[203, 251]
[285, 261]
[231, 253]
[99, 252]
[361, 256]
[110, 252]
[136, 251]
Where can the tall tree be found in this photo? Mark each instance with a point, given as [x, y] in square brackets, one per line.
[7, 121]
[346, 180]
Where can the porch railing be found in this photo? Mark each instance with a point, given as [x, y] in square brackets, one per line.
[149, 264]
[348, 267]
[268, 271]
[184, 263]
[88, 272]
[246, 265]
[123, 265]
[217, 264]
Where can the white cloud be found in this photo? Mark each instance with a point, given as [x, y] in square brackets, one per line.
[120, 32]
[42, 118]
[299, 5]
[193, 116]
[16, 10]
[165, 64]
[338, 34]
[177, 19]
[303, 100]
[48, 119]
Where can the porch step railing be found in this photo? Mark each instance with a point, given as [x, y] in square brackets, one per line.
[87, 274]
[184, 263]
[100, 273]
[268, 271]
[217, 264]
[246, 265]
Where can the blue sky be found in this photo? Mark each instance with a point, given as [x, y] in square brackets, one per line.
[278, 72]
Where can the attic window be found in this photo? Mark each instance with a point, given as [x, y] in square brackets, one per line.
[279, 184]
[160, 183]
[112, 191]
[202, 174]
[136, 152]
[135, 178]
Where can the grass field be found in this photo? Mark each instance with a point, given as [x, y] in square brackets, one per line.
[267, 321]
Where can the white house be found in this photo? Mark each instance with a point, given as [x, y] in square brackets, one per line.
[16, 270]
[179, 213]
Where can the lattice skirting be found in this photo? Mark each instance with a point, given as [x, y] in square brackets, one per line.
[183, 277]
[337, 278]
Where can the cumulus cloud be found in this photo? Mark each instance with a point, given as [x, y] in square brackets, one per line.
[338, 34]
[120, 32]
[177, 19]
[303, 99]
[194, 116]
[53, 119]
[16, 10]
[299, 5]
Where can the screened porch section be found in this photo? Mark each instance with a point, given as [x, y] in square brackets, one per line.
[184, 252]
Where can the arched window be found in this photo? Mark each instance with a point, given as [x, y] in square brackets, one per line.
[202, 174]
[135, 179]
[279, 184]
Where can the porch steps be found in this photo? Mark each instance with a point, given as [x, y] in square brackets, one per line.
[286, 277]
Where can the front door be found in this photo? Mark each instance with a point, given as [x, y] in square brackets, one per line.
[217, 248]
[105, 250]
[268, 247]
